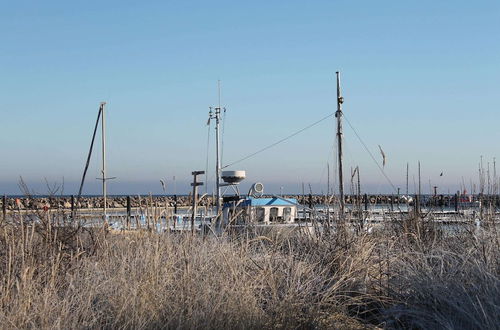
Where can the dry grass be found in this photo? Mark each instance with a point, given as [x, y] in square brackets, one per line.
[396, 278]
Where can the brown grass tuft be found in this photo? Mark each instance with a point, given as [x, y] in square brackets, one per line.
[404, 278]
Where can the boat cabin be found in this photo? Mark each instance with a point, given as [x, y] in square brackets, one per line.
[260, 210]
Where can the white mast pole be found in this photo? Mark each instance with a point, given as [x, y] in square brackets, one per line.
[103, 125]
[217, 150]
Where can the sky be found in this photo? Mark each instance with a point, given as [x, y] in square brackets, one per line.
[419, 78]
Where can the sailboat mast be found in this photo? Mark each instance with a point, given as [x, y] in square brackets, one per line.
[216, 115]
[217, 151]
[327, 181]
[338, 115]
[407, 169]
[103, 138]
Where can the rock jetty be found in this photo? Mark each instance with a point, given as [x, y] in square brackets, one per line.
[94, 202]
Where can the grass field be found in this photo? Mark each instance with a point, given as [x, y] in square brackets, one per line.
[407, 275]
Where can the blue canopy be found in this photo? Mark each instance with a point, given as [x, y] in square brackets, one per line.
[272, 201]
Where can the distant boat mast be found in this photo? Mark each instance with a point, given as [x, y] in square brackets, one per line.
[103, 139]
[338, 115]
[103, 171]
[215, 113]
[100, 116]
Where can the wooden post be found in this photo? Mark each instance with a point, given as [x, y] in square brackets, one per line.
[195, 185]
[366, 202]
[417, 205]
[129, 211]
[398, 198]
[358, 197]
[457, 195]
[419, 190]
[4, 208]
[72, 207]
[137, 219]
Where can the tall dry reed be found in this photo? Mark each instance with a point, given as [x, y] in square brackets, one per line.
[399, 277]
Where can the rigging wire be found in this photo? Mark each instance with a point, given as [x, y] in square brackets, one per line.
[89, 155]
[306, 128]
[279, 141]
[369, 152]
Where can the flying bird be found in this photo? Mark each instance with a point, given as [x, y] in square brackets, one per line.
[441, 174]
[383, 155]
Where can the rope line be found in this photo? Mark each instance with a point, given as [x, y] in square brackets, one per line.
[306, 128]
[371, 155]
[279, 141]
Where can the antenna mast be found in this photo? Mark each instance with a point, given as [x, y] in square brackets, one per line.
[215, 114]
[338, 115]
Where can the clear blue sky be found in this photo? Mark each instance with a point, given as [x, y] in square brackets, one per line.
[420, 78]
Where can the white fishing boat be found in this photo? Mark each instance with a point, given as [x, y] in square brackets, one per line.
[258, 210]
[255, 209]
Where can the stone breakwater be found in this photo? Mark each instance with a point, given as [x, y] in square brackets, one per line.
[65, 202]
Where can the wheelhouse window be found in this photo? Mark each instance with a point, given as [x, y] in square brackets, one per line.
[261, 214]
[273, 214]
[287, 214]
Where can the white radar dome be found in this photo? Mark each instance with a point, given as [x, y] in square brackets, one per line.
[233, 177]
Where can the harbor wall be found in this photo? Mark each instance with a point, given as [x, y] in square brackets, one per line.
[86, 202]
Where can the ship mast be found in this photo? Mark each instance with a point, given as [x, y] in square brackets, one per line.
[103, 139]
[103, 171]
[216, 114]
[338, 115]
[103, 178]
